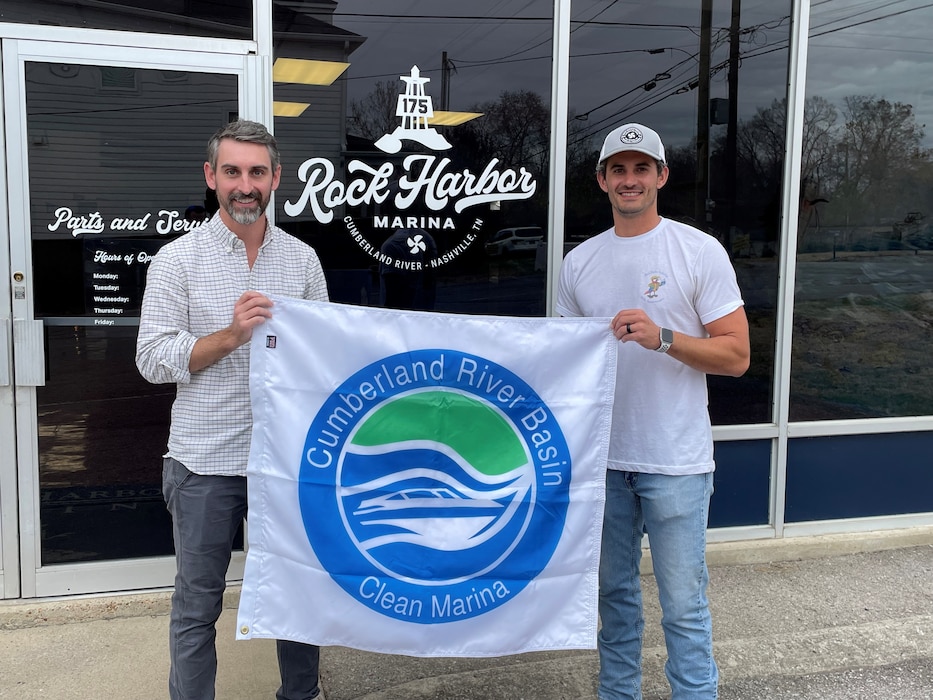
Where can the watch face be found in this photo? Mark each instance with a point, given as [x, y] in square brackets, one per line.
[667, 335]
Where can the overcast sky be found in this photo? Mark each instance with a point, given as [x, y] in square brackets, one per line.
[478, 36]
[874, 47]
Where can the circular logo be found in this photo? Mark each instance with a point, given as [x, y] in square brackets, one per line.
[632, 135]
[434, 485]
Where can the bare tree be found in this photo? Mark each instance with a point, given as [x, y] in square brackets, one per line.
[760, 144]
[761, 141]
[883, 145]
[515, 129]
[374, 115]
[819, 141]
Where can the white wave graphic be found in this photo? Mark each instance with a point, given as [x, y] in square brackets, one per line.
[473, 515]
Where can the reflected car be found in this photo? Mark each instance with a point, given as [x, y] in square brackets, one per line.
[520, 239]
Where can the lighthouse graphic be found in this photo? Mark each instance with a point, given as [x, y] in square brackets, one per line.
[415, 109]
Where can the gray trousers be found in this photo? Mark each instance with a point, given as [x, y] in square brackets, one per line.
[206, 513]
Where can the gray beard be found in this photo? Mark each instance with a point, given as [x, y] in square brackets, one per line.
[244, 217]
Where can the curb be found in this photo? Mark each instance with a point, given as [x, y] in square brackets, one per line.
[18, 614]
[796, 548]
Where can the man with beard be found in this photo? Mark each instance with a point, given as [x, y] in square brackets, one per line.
[198, 314]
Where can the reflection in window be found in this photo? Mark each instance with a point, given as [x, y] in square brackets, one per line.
[864, 299]
[115, 157]
[710, 77]
[115, 162]
[432, 141]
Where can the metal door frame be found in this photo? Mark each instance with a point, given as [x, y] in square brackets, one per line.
[9, 547]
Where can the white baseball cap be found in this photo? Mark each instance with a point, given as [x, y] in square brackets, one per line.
[633, 137]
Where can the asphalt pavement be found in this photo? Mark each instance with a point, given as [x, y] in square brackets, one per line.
[844, 617]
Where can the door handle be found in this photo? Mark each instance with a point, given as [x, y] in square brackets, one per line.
[4, 352]
[28, 352]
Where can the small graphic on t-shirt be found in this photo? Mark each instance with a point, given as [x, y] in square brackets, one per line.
[655, 280]
[270, 341]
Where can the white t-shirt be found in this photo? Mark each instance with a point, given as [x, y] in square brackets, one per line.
[683, 279]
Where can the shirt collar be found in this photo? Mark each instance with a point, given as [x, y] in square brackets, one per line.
[228, 240]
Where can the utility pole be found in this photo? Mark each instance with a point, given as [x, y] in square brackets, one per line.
[445, 82]
[730, 157]
[701, 194]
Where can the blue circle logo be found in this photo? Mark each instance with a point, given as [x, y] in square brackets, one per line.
[434, 485]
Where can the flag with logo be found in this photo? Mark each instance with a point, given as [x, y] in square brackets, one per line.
[426, 484]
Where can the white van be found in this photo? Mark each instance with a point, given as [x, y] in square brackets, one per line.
[521, 239]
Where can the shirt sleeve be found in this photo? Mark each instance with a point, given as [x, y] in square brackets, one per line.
[718, 291]
[164, 343]
[566, 301]
[316, 283]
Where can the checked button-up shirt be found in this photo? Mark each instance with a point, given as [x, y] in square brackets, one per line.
[192, 285]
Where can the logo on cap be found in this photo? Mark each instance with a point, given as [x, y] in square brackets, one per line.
[632, 136]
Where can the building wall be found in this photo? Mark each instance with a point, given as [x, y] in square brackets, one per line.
[812, 166]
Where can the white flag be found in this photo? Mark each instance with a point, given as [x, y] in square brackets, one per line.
[426, 484]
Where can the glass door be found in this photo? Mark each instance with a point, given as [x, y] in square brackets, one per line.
[105, 148]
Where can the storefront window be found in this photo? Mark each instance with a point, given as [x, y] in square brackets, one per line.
[419, 172]
[710, 77]
[864, 290]
[229, 19]
[115, 164]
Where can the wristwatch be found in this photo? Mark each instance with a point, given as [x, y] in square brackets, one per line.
[667, 338]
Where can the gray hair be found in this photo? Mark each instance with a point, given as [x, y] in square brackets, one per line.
[247, 132]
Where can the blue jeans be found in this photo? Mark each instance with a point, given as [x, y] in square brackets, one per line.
[206, 513]
[673, 511]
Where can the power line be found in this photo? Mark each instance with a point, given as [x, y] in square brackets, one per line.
[776, 46]
[867, 21]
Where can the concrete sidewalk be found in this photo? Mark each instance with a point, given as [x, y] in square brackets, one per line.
[832, 617]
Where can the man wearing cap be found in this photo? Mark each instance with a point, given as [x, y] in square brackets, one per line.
[675, 305]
